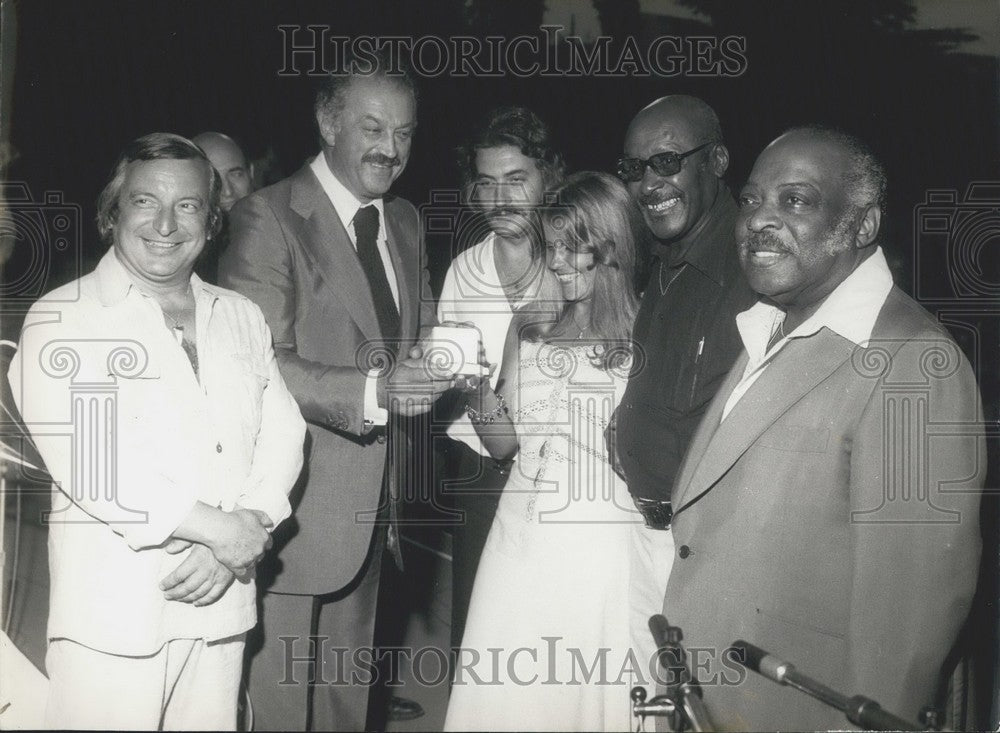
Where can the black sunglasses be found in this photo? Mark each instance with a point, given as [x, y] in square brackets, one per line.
[631, 170]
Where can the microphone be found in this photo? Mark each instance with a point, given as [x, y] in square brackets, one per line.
[862, 711]
[680, 685]
[669, 651]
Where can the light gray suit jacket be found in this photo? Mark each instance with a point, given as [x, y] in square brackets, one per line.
[290, 254]
[833, 520]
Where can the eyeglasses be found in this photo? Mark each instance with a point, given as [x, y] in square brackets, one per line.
[631, 170]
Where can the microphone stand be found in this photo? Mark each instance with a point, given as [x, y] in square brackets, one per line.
[860, 710]
[681, 703]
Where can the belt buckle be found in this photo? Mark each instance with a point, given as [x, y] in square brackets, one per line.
[656, 513]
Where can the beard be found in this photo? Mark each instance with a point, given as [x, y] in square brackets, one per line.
[513, 221]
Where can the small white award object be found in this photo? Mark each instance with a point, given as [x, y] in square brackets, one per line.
[453, 350]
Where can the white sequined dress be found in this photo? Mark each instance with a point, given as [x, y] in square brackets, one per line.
[546, 642]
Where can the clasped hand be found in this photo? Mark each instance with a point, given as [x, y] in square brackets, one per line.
[243, 540]
[208, 570]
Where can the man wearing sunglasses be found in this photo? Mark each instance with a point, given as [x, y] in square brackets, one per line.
[673, 166]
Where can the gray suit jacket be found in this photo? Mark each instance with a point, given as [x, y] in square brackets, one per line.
[290, 254]
[833, 519]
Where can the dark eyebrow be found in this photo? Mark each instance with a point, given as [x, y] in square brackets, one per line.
[372, 118]
[505, 174]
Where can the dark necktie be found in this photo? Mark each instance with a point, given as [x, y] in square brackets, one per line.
[366, 230]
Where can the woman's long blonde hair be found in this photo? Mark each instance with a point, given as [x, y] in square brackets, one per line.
[597, 215]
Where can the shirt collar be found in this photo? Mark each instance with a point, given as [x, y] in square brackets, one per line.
[707, 250]
[344, 202]
[114, 283]
[850, 310]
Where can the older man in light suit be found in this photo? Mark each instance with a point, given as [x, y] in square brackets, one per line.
[828, 507]
[335, 263]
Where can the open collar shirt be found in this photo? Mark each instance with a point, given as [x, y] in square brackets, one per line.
[850, 311]
[134, 439]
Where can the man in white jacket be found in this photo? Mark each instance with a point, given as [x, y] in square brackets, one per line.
[158, 407]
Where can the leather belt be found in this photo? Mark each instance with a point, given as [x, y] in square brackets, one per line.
[657, 513]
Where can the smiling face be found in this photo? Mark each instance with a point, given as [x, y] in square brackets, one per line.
[507, 187]
[575, 270]
[161, 226]
[674, 206]
[798, 232]
[368, 141]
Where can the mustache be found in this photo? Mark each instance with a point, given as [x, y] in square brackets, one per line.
[646, 199]
[506, 211]
[379, 159]
[766, 241]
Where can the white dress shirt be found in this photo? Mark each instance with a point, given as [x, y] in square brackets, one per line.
[850, 310]
[136, 440]
[346, 205]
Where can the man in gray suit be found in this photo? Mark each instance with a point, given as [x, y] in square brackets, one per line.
[335, 263]
[828, 507]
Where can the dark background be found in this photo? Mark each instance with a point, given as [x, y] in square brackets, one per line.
[91, 76]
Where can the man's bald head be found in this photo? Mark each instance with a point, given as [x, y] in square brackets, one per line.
[680, 108]
[230, 161]
[677, 205]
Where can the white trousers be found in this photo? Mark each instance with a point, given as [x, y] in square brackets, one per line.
[652, 558]
[190, 684]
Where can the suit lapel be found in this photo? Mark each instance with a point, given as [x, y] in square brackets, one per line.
[795, 371]
[329, 247]
[706, 429]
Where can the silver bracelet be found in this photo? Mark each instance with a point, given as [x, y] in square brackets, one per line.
[487, 418]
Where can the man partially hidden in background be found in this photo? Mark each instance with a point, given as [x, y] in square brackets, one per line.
[236, 176]
[828, 508]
